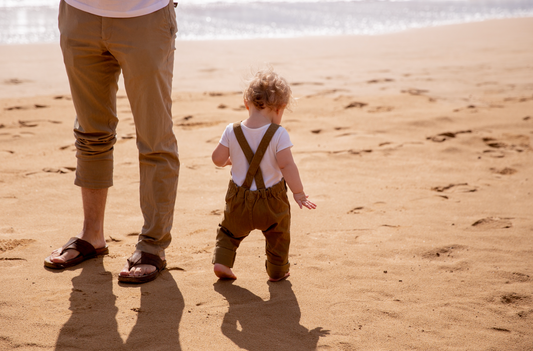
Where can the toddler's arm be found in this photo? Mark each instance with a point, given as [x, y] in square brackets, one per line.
[292, 177]
[220, 156]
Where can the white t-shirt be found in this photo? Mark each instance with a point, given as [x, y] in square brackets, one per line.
[269, 165]
[118, 8]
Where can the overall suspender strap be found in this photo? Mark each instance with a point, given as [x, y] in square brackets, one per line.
[254, 160]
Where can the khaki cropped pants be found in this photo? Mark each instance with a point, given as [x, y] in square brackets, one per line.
[95, 50]
[267, 210]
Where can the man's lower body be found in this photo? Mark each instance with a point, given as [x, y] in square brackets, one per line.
[95, 50]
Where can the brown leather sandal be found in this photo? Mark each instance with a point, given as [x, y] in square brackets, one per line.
[140, 257]
[86, 250]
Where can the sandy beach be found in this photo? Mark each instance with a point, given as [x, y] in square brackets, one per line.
[415, 146]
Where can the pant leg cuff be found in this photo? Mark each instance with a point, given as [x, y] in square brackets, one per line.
[224, 256]
[276, 272]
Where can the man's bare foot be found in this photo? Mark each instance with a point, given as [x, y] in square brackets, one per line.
[223, 272]
[139, 270]
[277, 280]
[57, 257]
[94, 201]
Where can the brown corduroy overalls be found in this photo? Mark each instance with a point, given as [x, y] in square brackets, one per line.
[265, 209]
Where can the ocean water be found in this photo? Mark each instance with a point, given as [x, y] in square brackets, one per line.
[35, 21]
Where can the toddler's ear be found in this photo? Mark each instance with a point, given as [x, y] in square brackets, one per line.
[281, 109]
[246, 104]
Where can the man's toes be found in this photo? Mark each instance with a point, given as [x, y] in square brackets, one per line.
[141, 270]
[148, 269]
[125, 271]
[54, 254]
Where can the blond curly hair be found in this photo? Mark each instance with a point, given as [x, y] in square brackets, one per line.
[267, 89]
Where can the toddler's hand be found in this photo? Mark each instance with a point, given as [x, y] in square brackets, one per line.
[301, 200]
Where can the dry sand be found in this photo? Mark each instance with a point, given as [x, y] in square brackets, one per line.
[415, 146]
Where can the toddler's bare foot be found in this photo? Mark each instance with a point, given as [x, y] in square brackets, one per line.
[277, 280]
[223, 272]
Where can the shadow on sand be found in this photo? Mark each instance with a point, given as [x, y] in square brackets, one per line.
[93, 325]
[254, 324]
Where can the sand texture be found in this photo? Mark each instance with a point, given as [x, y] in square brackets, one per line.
[416, 147]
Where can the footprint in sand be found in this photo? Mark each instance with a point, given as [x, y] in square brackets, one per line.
[382, 80]
[193, 125]
[306, 83]
[326, 92]
[23, 134]
[186, 118]
[350, 151]
[345, 134]
[455, 188]
[362, 209]
[62, 97]
[380, 109]
[196, 125]
[514, 142]
[518, 99]
[415, 91]
[61, 170]
[27, 107]
[355, 210]
[27, 124]
[513, 298]
[493, 223]
[503, 171]
[443, 252]
[72, 147]
[494, 143]
[494, 153]
[32, 124]
[15, 81]
[10, 244]
[439, 138]
[216, 93]
[469, 108]
[515, 277]
[356, 104]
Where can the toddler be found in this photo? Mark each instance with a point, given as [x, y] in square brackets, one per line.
[259, 152]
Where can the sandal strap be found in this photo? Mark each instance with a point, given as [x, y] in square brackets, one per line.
[83, 247]
[140, 257]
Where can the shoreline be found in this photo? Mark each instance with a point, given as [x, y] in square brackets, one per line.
[30, 69]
